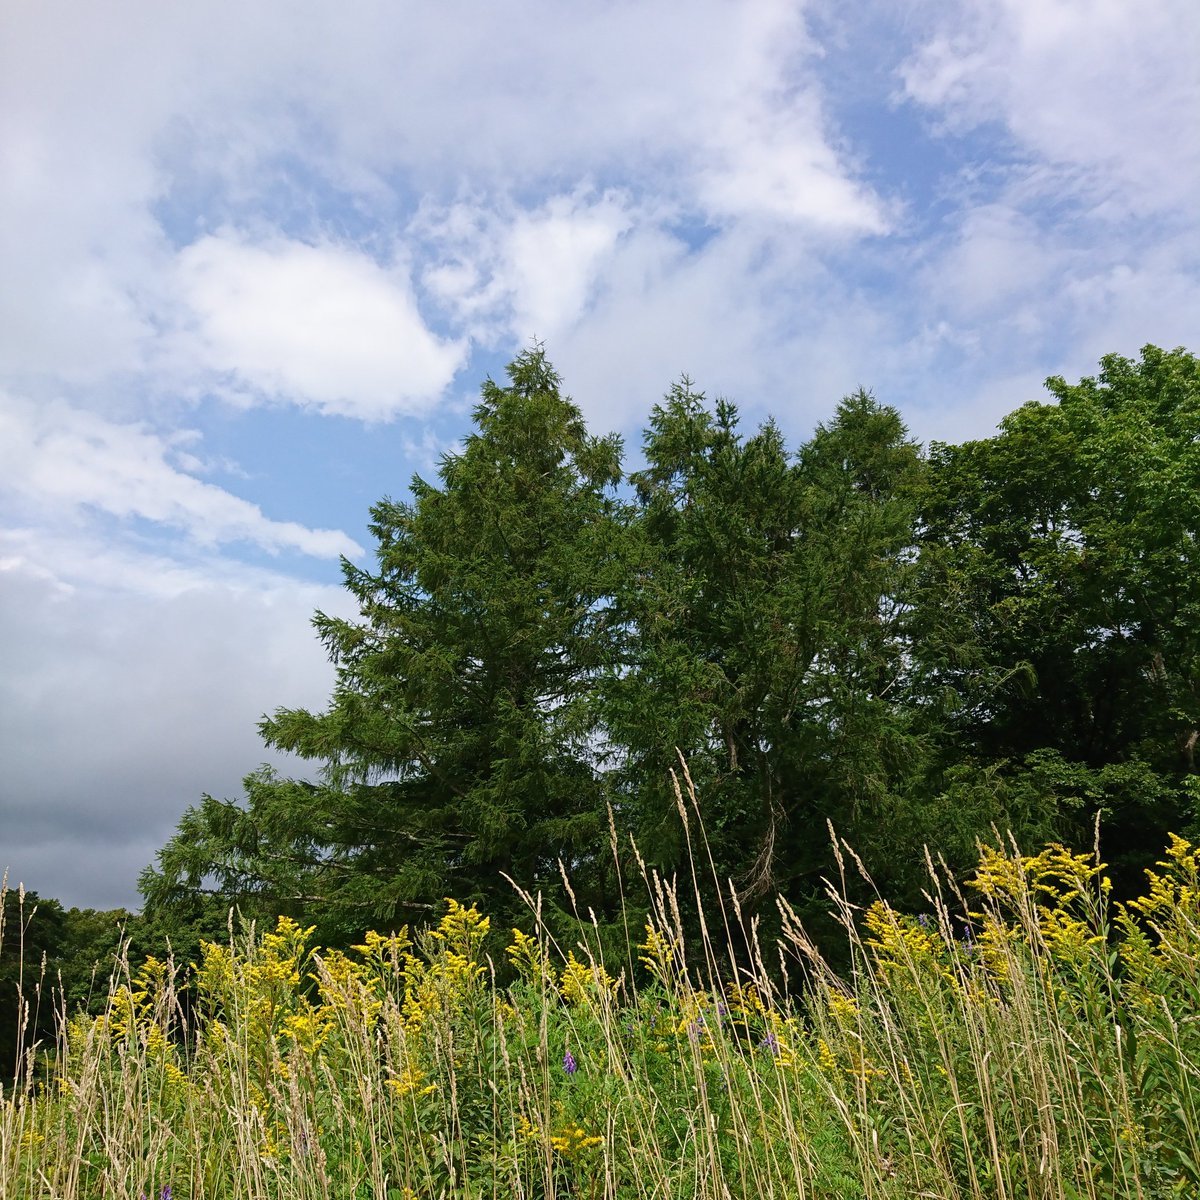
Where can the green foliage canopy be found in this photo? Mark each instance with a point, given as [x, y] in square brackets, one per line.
[770, 640]
[462, 742]
[915, 648]
[1061, 598]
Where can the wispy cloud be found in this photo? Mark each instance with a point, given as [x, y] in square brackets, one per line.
[1098, 90]
[512, 274]
[62, 460]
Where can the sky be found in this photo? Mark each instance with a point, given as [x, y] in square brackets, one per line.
[255, 261]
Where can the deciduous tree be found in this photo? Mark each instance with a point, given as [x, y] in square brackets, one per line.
[1061, 605]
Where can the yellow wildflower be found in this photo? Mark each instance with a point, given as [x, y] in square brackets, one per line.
[462, 929]
[660, 954]
[528, 955]
[305, 1031]
[843, 1009]
[573, 1140]
[1055, 873]
[582, 983]
[411, 1081]
[826, 1057]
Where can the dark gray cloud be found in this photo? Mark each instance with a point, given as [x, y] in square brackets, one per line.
[119, 709]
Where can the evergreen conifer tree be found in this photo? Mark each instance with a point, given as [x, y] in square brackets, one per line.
[462, 742]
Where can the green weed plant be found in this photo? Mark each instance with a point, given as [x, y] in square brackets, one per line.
[1025, 1037]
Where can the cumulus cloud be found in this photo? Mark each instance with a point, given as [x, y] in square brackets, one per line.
[769, 165]
[320, 325]
[117, 144]
[665, 309]
[59, 460]
[684, 110]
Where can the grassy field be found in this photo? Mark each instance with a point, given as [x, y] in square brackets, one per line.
[1025, 1038]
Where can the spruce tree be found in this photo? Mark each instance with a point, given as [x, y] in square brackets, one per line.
[462, 741]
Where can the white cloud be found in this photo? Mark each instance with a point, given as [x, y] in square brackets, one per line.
[719, 315]
[323, 326]
[1014, 288]
[990, 402]
[83, 96]
[518, 274]
[534, 93]
[765, 149]
[1069, 230]
[998, 260]
[1105, 88]
[771, 164]
[80, 262]
[62, 460]
[553, 257]
[128, 128]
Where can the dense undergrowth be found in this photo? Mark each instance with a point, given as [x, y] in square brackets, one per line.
[1023, 1038]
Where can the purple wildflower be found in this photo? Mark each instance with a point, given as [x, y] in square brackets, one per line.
[569, 1063]
[770, 1043]
[166, 1192]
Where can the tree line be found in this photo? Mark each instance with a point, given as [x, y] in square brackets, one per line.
[915, 647]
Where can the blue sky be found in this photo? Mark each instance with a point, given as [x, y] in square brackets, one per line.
[258, 258]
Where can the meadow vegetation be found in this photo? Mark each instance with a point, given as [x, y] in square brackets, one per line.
[1026, 1036]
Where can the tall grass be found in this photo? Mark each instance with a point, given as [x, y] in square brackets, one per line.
[1024, 1038]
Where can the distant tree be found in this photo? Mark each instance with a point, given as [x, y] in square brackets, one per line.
[33, 933]
[56, 960]
[97, 944]
[462, 741]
